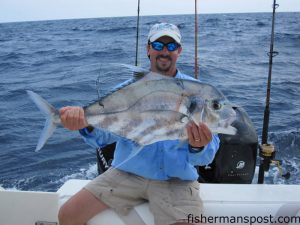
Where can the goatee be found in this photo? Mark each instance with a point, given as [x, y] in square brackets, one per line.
[163, 69]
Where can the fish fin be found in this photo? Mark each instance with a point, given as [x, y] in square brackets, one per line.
[49, 112]
[47, 132]
[194, 119]
[138, 75]
[107, 79]
[132, 68]
[138, 72]
[230, 130]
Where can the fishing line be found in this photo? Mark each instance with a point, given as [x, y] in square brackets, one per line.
[137, 34]
[134, 152]
[98, 87]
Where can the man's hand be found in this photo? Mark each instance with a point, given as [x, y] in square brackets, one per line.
[199, 135]
[72, 117]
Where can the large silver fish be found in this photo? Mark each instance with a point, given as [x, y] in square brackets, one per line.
[150, 109]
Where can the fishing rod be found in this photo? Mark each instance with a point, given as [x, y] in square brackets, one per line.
[137, 34]
[267, 151]
[196, 41]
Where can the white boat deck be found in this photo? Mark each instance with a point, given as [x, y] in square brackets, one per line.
[218, 199]
[231, 200]
[252, 193]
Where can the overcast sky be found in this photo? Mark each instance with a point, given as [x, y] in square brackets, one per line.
[32, 10]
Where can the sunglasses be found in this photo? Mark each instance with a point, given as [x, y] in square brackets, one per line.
[159, 46]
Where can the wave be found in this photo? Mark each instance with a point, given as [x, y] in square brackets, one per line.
[116, 30]
[83, 29]
[13, 56]
[286, 141]
[46, 52]
[287, 145]
[88, 173]
[261, 24]
[213, 21]
[288, 37]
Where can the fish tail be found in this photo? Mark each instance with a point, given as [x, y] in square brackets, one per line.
[50, 113]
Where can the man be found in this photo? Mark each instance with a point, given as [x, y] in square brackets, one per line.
[162, 173]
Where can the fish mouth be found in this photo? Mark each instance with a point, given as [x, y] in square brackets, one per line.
[227, 122]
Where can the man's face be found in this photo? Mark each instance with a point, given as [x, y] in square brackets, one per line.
[164, 61]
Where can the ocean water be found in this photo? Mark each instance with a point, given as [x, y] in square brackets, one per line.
[61, 60]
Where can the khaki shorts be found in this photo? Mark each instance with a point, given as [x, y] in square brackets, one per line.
[170, 201]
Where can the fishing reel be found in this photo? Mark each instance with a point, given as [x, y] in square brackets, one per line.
[267, 153]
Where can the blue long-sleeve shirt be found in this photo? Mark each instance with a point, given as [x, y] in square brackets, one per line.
[158, 161]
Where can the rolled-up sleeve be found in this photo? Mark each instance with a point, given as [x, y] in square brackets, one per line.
[98, 138]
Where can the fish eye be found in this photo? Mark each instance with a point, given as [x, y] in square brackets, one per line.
[216, 105]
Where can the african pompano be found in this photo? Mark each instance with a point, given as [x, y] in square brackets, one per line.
[150, 109]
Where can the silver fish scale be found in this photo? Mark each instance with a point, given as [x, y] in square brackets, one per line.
[153, 108]
[126, 97]
[147, 127]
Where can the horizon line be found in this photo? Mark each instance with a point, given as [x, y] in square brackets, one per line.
[115, 16]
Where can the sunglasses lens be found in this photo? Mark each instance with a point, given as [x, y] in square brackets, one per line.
[172, 46]
[158, 46]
